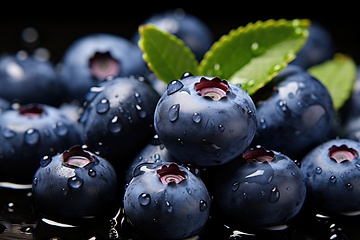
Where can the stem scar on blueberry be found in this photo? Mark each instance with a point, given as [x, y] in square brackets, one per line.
[77, 157]
[259, 154]
[342, 153]
[212, 88]
[171, 174]
[103, 66]
[31, 111]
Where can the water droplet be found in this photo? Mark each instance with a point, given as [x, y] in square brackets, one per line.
[169, 207]
[349, 186]
[174, 86]
[262, 124]
[174, 112]
[203, 206]
[141, 112]
[61, 129]
[45, 160]
[27, 229]
[35, 181]
[10, 207]
[235, 186]
[8, 133]
[144, 199]
[318, 170]
[274, 195]
[332, 179]
[284, 107]
[103, 106]
[92, 172]
[32, 136]
[189, 191]
[180, 142]
[75, 182]
[138, 98]
[196, 117]
[115, 125]
[221, 128]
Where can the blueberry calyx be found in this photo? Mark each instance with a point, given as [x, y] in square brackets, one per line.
[31, 111]
[342, 153]
[171, 174]
[213, 88]
[103, 65]
[77, 157]
[259, 153]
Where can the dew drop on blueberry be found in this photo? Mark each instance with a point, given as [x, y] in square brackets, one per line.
[274, 195]
[115, 125]
[174, 86]
[32, 136]
[144, 199]
[45, 160]
[196, 117]
[8, 133]
[75, 182]
[61, 129]
[174, 112]
[103, 106]
[92, 172]
[203, 206]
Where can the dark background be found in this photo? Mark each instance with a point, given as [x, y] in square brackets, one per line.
[60, 23]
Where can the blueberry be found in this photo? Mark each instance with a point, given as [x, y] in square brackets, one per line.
[260, 189]
[26, 79]
[205, 120]
[94, 57]
[166, 201]
[74, 186]
[297, 115]
[319, 47]
[153, 152]
[332, 176]
[117, 119]
[29, 132]
[195, 33]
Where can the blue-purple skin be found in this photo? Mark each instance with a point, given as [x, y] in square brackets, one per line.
[166, 201]
[204, 120]
[297, 116]
[195, 33]
[95, 57]
[260, 189]
[332, 176]
[74, 186]
[117, 120]
[30, 132]
[28, 79]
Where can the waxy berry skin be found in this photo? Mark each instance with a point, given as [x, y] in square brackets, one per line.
[74, 185]
[117, 119]
[332, 176]
[95, 57]
[205, 120]
[297, 116]
[30, 132]
[260, 189]
[166, 201]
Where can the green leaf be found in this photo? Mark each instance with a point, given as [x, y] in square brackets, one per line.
[338, 75]
[166, 55]
[254, 54]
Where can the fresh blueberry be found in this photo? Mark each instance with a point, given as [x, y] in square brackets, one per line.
[29, 132]
[27, 79]
[193, 31]
[260, 189]
[166, 201]
[205, 120]
[297, 115]
[319, 47]
[118, 116]
[74, 186]
[332, 176]
[153, 152]
[94, 57]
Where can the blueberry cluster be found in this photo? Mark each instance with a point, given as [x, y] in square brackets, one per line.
[98, 136]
